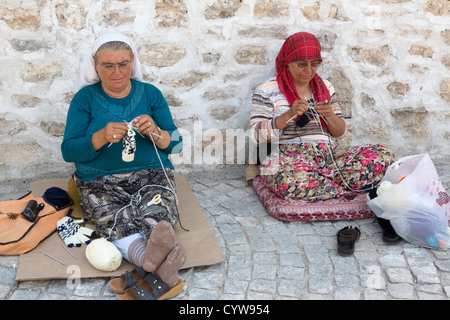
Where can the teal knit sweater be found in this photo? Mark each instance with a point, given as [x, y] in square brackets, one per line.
[91, 109]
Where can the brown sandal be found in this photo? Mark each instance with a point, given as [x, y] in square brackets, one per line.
[151, 288]
[127, 280]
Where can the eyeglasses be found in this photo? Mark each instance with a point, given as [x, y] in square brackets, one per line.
[112, 66]
[304, 64]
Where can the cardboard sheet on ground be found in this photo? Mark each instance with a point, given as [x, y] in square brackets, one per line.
[200, 242]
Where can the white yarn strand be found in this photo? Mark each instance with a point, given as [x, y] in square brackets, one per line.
[330, 145]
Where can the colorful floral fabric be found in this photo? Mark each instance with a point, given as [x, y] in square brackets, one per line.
[307, 171]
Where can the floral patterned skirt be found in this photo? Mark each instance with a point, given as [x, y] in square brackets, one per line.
[307, 171]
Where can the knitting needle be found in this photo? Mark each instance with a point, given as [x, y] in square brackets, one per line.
[135, 128]
[159, 135]
[141, 133]
[291, 119]
[62, 245]
[130, 126]
[53, 258]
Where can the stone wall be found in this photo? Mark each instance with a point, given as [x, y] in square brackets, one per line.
[388, 59]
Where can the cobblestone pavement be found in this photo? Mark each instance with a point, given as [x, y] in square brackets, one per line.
[268, 259]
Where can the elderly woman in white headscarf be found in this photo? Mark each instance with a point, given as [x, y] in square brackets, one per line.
[127, 189]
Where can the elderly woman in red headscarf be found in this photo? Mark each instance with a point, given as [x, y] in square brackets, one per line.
[299, 111]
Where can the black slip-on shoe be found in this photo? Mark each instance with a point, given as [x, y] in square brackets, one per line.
[389, 234]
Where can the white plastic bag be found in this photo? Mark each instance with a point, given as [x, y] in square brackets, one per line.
[417, 204]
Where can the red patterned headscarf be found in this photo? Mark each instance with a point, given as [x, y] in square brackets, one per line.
[299, 46]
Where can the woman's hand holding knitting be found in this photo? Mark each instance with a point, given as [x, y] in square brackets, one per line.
[298, 107]
[335, 125]
[111, 133]
[145, 124]
[324, 109]
[114, 131]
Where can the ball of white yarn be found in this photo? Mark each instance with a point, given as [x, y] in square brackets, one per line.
[384, 186]
[103, 255]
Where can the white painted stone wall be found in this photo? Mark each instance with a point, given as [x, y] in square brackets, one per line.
[388, 59]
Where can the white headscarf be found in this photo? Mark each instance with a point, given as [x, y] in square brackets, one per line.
[88, 74]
